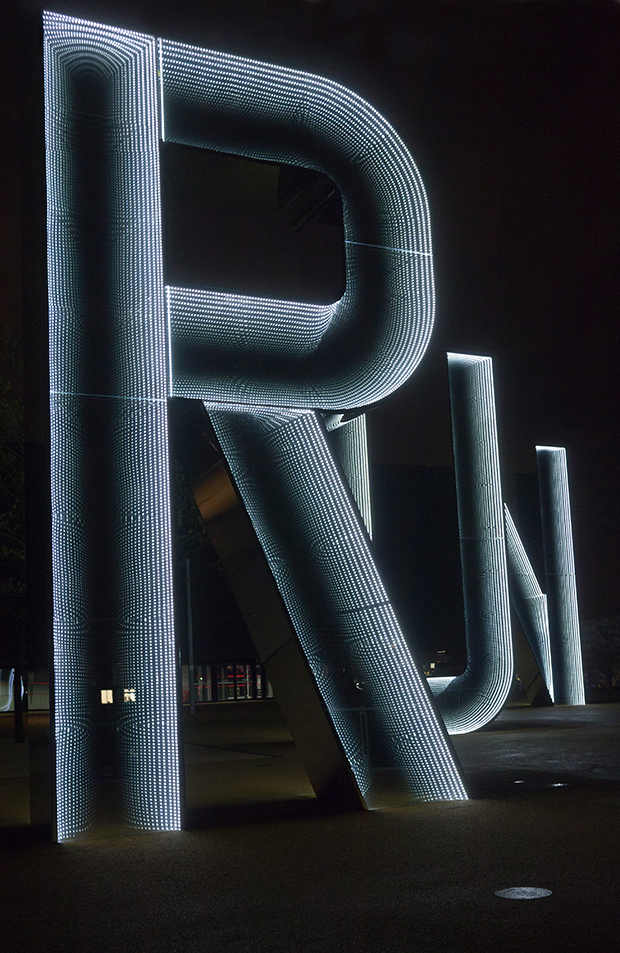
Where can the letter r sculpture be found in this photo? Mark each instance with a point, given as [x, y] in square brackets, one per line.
[121, 344]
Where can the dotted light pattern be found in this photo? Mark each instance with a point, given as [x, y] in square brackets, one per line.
[472, 699]
[529, 601]
[363, 346]
[131, 412]
[349, 443]
[244, 352]
[564, 635]
[338, 356]
[318, 554]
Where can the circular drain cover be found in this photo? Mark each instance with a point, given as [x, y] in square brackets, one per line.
[523, 893]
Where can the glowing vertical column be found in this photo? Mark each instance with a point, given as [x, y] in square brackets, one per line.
[560, 576]
[111, 532]
[475, 697]
[529, 601]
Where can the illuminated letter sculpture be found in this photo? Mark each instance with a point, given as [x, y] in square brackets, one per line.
[109, 380]
[529, 601]
[550, 622]
[472, 699]
[263, 367]
[568, 687]
[349, 442]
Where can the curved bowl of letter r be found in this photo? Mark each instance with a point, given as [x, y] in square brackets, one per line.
[338, 356]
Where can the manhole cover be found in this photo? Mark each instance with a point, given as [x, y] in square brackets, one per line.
[523, 893]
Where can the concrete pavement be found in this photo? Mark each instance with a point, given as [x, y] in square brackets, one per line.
[415, 878]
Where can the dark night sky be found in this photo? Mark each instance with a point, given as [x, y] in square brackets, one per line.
[512, 113]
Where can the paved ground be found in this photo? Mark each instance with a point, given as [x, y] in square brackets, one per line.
[420, 878]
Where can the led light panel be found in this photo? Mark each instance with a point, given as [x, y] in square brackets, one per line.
[472, 699]
[568, 686]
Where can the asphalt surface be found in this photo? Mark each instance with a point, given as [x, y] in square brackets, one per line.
[276, 875]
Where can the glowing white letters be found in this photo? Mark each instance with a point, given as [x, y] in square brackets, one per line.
[561, 587]
[112, 369]
[475, 697]
[109, 384]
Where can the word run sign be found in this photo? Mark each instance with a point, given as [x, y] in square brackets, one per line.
[270, 373]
